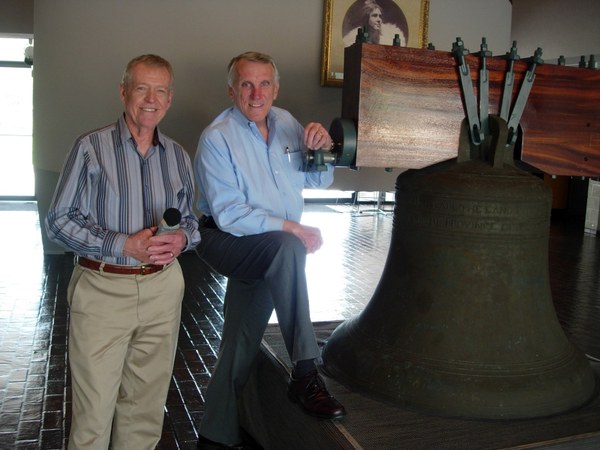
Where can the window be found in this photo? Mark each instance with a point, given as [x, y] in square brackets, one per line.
[16, 107]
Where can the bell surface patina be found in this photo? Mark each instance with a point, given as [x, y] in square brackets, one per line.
[462, 321]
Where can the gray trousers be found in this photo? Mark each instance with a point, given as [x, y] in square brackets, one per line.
[264, 271]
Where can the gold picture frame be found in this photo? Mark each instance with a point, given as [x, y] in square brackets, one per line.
[342, 19]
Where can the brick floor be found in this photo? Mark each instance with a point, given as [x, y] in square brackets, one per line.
[34, 379]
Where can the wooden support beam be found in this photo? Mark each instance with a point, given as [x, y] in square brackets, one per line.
[407, 105]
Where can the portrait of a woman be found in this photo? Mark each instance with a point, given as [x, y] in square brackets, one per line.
[382, 20]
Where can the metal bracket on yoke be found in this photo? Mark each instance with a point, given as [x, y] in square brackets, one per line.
[475, 131]
[509, 80]
[495, 148]
[484, 88]
[479, 126]
[517, 112]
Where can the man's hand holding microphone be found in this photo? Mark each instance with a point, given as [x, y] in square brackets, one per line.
[160, 244]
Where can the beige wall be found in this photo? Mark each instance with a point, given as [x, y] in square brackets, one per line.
[81, 48]
[16, 17]
[568, 28]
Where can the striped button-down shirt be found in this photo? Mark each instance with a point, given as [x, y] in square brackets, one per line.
[107, 191]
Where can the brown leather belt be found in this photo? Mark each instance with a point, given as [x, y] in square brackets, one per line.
[122, 270]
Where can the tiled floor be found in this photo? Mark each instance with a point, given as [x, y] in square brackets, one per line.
[34, 382]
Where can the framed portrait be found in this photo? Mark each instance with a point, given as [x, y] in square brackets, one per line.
[380, 21]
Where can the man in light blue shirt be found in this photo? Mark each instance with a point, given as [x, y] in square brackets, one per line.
[248, 168]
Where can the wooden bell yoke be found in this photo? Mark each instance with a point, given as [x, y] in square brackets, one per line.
[407, 107]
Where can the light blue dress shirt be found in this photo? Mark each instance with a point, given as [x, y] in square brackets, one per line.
[250, 186]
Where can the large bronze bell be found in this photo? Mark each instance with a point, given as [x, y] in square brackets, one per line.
[462, 322]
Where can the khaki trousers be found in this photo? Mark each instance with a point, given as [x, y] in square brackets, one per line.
[123, 333]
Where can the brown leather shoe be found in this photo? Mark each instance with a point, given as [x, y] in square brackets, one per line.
[310, 391]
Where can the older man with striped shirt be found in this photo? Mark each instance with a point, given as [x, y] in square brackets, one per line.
[126, 288]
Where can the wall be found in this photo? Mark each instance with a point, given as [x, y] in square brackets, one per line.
[471, 20]
[560, 28]
[81, 49]
[16, 18]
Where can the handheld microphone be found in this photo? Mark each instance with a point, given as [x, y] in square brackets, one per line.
[170, 221]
